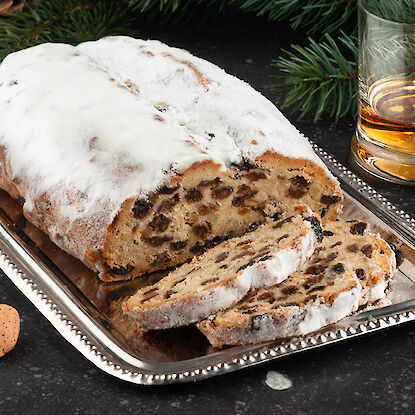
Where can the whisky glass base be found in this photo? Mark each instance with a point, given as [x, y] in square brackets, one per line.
[381, 162]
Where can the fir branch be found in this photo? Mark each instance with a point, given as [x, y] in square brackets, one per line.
[68, 21]
[402, 11]
[320, 77]
[175, 11]
[312, 15]
[273, 10]
[326, 16]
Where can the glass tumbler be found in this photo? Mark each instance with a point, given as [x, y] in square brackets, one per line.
[384, 142]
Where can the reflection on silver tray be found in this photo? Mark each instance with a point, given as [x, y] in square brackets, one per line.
[86, 311]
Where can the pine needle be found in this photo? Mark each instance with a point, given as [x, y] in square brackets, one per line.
[312, 15]
[177, 11]
[320, 77]
[68, 21]
[401, 11]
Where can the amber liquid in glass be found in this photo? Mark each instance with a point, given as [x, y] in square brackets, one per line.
[387, 119]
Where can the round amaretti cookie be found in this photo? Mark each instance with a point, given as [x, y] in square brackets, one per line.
[9, 328]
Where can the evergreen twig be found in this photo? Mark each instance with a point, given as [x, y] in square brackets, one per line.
[402, 11]
[320, 77]
[69, 21]
[175, 11]
[311, 15]
[314, 16]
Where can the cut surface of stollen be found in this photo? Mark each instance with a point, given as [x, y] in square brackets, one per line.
[351, 268]
[224, 274]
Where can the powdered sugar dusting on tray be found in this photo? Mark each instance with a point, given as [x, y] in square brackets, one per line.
[115, 118]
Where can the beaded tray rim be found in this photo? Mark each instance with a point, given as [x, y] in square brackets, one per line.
[64, 311]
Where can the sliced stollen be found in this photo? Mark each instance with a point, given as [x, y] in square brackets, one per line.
[374, 262]
[224, 274]
[351, 267]
[164, 157]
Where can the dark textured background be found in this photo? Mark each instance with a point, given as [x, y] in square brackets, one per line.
[371, 375]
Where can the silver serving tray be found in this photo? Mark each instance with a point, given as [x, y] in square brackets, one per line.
[86, 311]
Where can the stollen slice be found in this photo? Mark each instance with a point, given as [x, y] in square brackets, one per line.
[375, 260]
[350, 268]
[224, 274]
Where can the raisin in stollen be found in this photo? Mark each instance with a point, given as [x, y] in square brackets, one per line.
[223, 275]
[350, 268]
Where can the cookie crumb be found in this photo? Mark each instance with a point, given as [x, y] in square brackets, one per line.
[278, 381]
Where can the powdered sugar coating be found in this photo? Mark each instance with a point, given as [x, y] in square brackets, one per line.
[294, 321]
[373, 293]
[202, 98]
[283, 263]
[181, 313]
[112, 119]
[317, 315]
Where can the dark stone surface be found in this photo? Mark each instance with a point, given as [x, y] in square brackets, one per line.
[371, 375]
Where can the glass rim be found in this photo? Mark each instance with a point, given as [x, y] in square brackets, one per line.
[361, 6]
